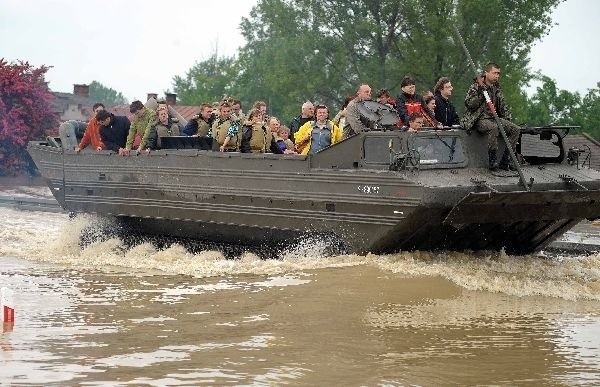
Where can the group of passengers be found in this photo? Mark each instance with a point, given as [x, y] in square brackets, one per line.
[230, 130]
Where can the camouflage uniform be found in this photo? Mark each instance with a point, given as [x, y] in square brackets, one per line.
[479, 116]
[141, 126]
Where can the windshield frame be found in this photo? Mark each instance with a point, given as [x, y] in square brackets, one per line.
[440, 136]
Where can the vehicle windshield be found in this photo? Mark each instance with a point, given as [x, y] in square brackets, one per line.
[436, 149]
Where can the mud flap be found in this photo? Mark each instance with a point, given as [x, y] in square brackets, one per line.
[511, 207]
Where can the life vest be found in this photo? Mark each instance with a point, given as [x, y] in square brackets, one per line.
[203, 128]
[170, 129]
[219, 133]
[261, 138]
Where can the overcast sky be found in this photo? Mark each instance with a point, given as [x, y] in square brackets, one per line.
[136, 47]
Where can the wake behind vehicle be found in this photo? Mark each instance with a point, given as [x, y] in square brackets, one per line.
[379, 191]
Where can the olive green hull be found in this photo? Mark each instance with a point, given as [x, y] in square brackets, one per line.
[281, 199]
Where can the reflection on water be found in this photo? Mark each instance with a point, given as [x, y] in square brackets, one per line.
[107, 315]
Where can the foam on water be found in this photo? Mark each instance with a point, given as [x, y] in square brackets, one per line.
[576, 277]
[54, 238]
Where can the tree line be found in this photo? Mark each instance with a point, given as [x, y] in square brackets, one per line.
[322, 50]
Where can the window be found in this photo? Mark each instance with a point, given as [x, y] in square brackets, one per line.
[377, 149]
[439, 150]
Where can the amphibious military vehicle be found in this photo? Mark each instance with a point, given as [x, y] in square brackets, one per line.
[382, 190]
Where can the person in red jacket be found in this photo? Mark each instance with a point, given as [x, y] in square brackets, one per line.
[409, 102]
[92, 132]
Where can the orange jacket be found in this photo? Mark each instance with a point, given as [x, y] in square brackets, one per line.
[92, 135]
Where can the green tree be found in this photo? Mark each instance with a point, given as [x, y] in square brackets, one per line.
[589, 112]
[106, 95]
[323, 49]
[550, 105]
[207, 81]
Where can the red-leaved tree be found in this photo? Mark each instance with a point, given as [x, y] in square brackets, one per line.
[25, 113]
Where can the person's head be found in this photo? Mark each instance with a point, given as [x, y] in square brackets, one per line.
[363, 92]
[162, 104]
[205, 111]
[492, 73]
[416, 120]
[256, 116]
[408, 85]
[430, 102]
[103, 117]
[236, 107]
[163, 115]
[321, 113]
[136, 108]
[426, 93]
[260, 105]
[97, 107]
[227, 99]
[443, 87]
[224, 110]
[274, 124]
[283, 132]
[383, 96]
[308, 109]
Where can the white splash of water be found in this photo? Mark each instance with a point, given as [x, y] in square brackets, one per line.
[572, 278]
[54, 238]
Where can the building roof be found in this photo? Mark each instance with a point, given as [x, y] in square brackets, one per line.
[61, 103]
[186, 112]
[584, 141]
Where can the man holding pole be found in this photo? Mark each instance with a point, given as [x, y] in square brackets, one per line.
[479, 115]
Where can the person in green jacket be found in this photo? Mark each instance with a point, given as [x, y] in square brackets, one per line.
[143, 119]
